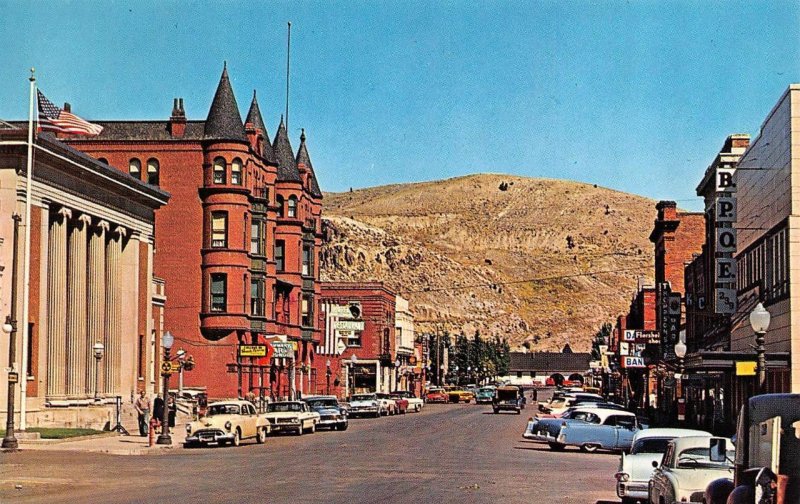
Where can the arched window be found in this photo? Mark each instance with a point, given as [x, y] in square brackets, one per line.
[291, 210]
[135, 168]
[103, 160]
[152, 171]
[236, 172]
[279, 203]
[219, 170]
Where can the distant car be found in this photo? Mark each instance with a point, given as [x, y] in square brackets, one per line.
[559, 405]
[331, 413]
[291, 416]
[414, 403]
[436, 395]
[366, 405]
[227, 422]
[395, 405]
[615, 433]
[688, 466]
[508, 399]
[458, 395]
[636, 468]
[484, 395]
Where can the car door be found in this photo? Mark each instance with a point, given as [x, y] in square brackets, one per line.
[625, 428]
[250, 418]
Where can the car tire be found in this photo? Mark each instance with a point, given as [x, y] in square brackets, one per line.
[589, 448]
[418, 408]
[261, 435]
[299, 431]
[496, 411]
[191, 445]
[377, 414]
[237, 438]
[313, 428]
[556, 446]
[342, 427]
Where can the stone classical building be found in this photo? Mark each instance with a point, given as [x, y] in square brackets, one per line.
[91, 281]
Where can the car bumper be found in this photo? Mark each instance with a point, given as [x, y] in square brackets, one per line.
[633, 490]
[331, 422]
[363, 411]
[538, 436]
[278, 427]
[204, 437]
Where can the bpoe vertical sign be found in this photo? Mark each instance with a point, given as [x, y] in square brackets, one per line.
[725, 301]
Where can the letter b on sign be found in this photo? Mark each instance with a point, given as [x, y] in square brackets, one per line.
[725, 180]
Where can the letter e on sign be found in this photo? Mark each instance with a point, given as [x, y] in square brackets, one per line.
[726, 209]
[726, 270]
[726, 240]
[726, 180]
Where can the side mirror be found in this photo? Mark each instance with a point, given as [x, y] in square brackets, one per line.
[717, 449]
[655, 463]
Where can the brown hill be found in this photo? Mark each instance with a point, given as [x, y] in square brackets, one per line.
[538, 260]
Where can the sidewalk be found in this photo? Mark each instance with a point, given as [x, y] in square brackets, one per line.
[111, 443]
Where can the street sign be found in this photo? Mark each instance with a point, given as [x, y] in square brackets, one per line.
[745, 368]
[341, 347]
[342, 311]
[252, 350]
[632, 362]
[166, 368]
[283, 350]
[349, 325]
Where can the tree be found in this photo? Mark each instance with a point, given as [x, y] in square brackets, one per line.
[601, 337]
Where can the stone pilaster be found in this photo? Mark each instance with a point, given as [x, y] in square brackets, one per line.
[57, 304]
[113, 321]
[76, 309]
[97, 303]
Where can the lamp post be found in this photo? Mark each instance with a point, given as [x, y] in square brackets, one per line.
[98, 350]
[328, 377]
[181, 356]
[353, 360]
[164, 438]
[680, 353]
[10, 327]
[759, 321]
[396, 374]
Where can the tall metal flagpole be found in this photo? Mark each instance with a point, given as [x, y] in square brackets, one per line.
[288, 52]
[23, 388]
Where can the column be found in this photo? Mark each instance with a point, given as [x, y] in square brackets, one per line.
[96, 317]
[76, 308]
[113, 320]
[57, 304]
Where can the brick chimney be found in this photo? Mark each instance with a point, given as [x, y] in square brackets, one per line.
[177, 121]
[667, 210]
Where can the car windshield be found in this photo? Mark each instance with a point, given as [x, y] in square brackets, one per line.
[364, 397]
[435, 391]
[223, 409]
[650, 445]
[699, 457]
[323, 403]
[283, 407]
[486, 390]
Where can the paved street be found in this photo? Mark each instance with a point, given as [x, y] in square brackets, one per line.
[447, 453]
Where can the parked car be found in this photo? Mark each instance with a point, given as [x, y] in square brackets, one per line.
[584, 405]
[227, 422]
[458, 395]
[636, 468]
[559, 405]
[291, 416]
[331, 414]
[614, 433]
[546, 430]
[436, 395]
[395, 405]
[484, 395]
[507, 399]
[688, 466]
[414, 403]
[367, 405]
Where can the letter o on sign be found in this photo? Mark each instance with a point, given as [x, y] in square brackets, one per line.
[726, 240]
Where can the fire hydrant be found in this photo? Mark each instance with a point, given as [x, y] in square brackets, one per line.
[151, 433]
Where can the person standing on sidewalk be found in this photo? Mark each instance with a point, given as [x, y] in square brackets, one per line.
[142, 405]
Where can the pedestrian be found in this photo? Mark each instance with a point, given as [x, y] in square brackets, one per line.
[173, 410]
[158, 409]
[142, 406]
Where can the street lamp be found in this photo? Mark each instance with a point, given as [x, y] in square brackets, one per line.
[680, 353]
[181, 356]
[353, 360]
[759, 321]
[98, 350]
[167, 340]
[10, 328]
[396, 374]
[328, 377]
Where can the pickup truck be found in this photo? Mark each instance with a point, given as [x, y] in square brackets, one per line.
[615, 433]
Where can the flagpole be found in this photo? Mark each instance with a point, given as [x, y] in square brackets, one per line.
[23, 389]
[288, 52]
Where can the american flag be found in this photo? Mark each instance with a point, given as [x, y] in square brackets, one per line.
[52, 118]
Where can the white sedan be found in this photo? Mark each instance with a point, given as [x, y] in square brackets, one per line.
[291, 416]
[688, 466]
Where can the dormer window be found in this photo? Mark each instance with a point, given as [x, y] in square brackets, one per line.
[152, 171]
[219, 170]
[291, 210]
[135, 168]
[236, 172]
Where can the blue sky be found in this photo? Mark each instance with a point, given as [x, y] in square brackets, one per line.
[637, 96]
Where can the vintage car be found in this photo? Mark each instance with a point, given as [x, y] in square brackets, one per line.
[291, 416]
[436, 395]
[414, 403]
[546, 430]
[636, 468]
[367, 405]
[484, 395]
[458, 395]
[688, 466]
[614, 433]
[331, 413]
[561, 404]
[507, 399]
[227, 422]
[583, 405]
[396, 405]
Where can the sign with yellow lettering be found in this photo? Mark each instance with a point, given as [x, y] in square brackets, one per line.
[252, 350]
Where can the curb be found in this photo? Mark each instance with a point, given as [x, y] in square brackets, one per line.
[65, 440]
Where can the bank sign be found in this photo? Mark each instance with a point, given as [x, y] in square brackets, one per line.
[632, 362]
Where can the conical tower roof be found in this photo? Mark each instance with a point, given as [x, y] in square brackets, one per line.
[284, 155]
[254, 118]
[304, 159]
[224, 121]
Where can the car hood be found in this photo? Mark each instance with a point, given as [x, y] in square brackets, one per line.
[283, 414]
[214, 421]
[640, 466]
[363, 403]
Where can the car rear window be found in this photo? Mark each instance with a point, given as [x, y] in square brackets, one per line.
[650, 445]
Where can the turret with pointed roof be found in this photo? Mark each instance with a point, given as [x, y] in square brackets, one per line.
[224, 121]
[304, 159]
[254, 118]
[284, 155]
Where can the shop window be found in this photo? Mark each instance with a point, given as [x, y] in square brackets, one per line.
[236, 172]
[219, 229]
[135, 168]
[152, 171]
[291, 210]
[219, 170]
[280, 250]
[219, 294]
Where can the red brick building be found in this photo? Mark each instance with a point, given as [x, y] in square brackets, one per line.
[238, 242]
[360, 322]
